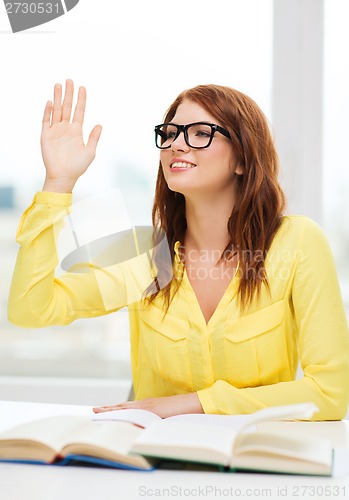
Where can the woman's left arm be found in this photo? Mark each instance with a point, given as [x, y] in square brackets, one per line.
[323, 343]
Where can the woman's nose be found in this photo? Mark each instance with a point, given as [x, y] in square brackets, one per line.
[179, 144]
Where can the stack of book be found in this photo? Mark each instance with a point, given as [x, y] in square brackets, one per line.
[140, 440]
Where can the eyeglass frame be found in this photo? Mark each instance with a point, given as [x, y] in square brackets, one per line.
[184, 128]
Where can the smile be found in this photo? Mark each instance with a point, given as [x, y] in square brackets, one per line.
[182, 165]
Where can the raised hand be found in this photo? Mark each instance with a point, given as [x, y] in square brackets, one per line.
[65, 155]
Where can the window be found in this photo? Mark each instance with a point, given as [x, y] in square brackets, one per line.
[130, 70]
[336, 111]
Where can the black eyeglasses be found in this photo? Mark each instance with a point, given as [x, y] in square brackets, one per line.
[197, 135]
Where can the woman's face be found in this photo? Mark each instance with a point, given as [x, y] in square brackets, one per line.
[206, 171]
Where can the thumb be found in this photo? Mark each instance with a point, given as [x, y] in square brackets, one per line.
[94, 138]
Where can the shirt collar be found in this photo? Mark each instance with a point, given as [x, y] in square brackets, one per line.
[176, 251]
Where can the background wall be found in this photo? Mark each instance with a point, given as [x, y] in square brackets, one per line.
[134, 57]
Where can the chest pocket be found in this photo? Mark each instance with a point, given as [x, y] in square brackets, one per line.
[256, 347]
[165, 340]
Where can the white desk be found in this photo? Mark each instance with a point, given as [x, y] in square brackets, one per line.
[38, 482]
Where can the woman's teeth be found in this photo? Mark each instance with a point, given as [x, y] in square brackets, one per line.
[182, 164]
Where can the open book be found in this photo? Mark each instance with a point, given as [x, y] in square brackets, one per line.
[241, 449]
[142, 440]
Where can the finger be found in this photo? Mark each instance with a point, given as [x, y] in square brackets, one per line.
[46, 119]
[57, 106]
[105, 409]
[94, 138]
[80, 106]
[68, 100]
[120, 406]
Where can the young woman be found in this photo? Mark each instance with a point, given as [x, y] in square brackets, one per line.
[253, 291]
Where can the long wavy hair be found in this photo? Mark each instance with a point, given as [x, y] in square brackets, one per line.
[260, 201]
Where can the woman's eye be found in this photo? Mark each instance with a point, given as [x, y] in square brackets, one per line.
[171, 134]
[203, 133]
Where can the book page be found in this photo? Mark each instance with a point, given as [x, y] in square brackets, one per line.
[116, 436]
[48, 438]
[275, 463]
[318, 451]
[235, 422]
[50, 432]
[287, 412]
[139, 417]
[143, 418]
[174, 440]
[107, 440]
[247, 422]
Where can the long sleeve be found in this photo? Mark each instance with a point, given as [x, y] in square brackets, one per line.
[38, 298]
[321, 336]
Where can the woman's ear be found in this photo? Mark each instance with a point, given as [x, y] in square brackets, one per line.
[239, 170]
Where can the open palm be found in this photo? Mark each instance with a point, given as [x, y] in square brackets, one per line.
[65, 155]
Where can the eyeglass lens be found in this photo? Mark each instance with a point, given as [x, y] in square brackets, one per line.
[198, 135]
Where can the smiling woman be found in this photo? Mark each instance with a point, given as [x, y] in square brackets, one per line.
[99, 348]
[210, 177]
[222, 333]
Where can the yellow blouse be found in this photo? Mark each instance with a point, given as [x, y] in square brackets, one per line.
[237, 363]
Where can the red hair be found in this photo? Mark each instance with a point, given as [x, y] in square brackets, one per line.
[260, 202]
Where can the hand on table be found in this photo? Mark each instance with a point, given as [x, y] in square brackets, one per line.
[163, 407]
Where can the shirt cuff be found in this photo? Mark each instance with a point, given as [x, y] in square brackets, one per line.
[53, 199]
[206, 400]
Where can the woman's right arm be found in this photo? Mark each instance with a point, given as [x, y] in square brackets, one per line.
[37, 298]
